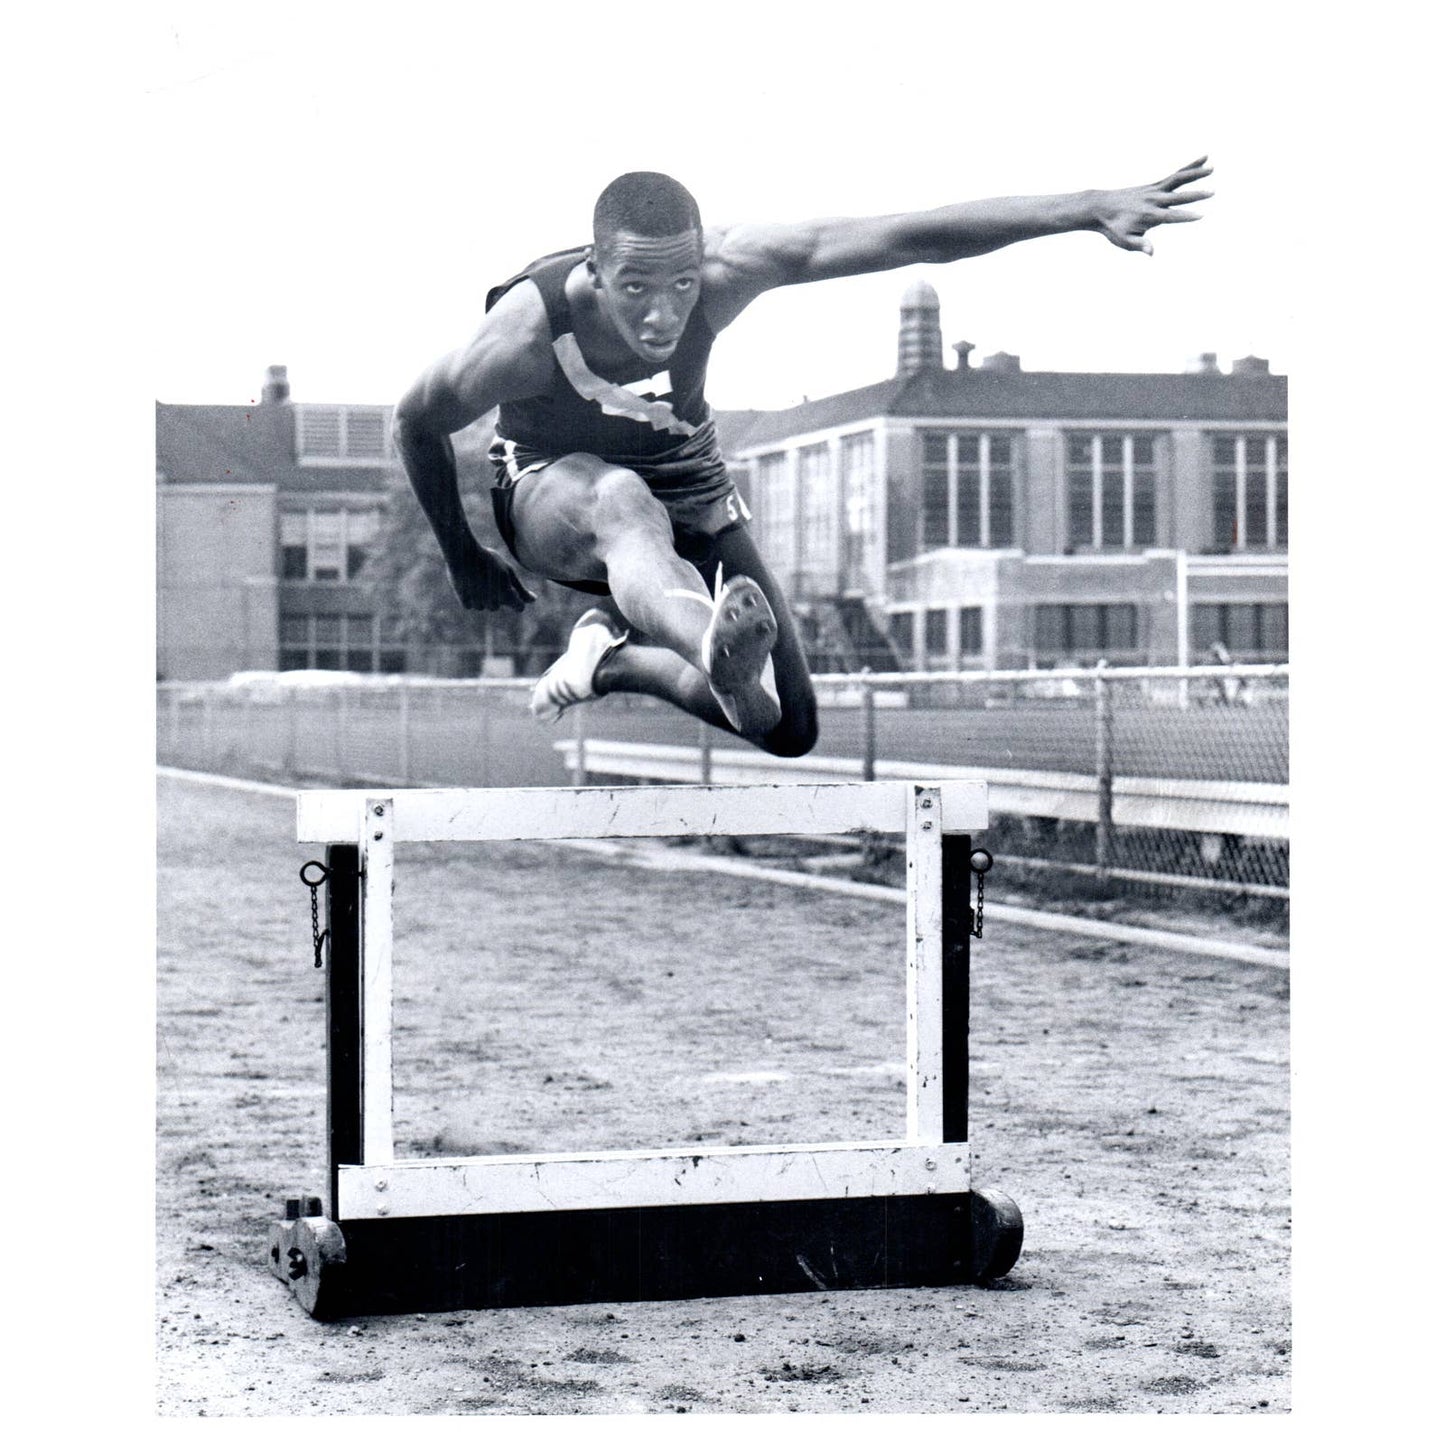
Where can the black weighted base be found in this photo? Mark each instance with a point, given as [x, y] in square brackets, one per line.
[678, 1252]
[998, 1234]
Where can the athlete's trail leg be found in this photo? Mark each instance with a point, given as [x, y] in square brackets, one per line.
[657, 672]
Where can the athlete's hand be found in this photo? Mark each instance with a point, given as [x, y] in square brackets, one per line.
[1125, 215]
[484, 582]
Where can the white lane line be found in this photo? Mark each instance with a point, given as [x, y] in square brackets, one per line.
[218, 780]
[758, 1076]
[667, 860]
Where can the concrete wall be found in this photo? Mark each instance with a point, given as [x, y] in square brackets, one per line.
[904, 480]
[1191, 492]
[216, 608]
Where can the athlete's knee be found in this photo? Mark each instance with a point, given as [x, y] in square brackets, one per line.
[796, 733]
[622, 501]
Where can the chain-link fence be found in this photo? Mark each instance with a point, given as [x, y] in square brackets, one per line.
[1149, 777]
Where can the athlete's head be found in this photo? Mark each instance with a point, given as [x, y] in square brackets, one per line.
[646, 260]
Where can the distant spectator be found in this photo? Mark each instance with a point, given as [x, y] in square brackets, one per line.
[1230, 690]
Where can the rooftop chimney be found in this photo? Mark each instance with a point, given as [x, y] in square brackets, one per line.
[277, 388]
[920, 339]
[1205, 364]
[1000, 361]
[961, 350]
[1250, 366]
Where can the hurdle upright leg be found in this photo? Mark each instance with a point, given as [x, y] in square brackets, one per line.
[344, 1081]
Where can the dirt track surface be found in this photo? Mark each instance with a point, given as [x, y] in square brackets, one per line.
[1134, 1104]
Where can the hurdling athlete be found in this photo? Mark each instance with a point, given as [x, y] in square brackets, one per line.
[609, 479]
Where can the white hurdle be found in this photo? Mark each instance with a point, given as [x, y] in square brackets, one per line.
[653, 1223]
[381, 1186]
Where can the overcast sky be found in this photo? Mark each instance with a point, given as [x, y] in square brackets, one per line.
[337, 196]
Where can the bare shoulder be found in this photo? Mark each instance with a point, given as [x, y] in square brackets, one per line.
[509, 357]
[742, 261]
[514, 341]
[751, 249]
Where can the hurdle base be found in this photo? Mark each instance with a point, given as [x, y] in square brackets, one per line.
[308, 1253]
[597, 1256]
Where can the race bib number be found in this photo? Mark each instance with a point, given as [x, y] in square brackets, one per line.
[737, 508]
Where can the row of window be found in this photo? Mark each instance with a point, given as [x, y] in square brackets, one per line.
[1079, 631]
[1112, 482]
[796, 523]
[1251, 492]
[326, 546]
[935, 632]
[968, 489]
[1084, 631]
[348, 642]
[1241, 627]
[970, 482]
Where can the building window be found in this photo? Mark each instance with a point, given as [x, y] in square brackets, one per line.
[391, 654]
[938, 648]
[350, 642]
[352, 436]
[1112, 485]
[1249, 631]
[815, 482]
[773, 509]
[1251, 492]
[295, 637]
[970, 631]
[856, 457]
[329, 546]
[935, 635]
[900, 631]
[968, 489]
[1085, 631]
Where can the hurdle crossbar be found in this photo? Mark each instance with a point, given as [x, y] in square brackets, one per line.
[890, 1206]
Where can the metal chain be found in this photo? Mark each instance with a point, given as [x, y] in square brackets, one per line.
[979, 862]
[318, 937]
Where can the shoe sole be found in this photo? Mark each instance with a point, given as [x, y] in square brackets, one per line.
[743, 632]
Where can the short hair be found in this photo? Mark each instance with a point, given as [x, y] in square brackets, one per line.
[646, 203]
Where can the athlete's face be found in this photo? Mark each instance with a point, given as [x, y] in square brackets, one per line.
[647, 287]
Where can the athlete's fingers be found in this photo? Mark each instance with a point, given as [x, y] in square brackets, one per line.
[1127, 240]
[1170, 216]
[1184, 198]
[1130, 242]
[514, 592]
[1194, 171]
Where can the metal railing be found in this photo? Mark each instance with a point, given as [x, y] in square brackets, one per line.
[1156, 777]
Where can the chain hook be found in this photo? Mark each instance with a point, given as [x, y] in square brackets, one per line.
[318, 937]
[979, 862]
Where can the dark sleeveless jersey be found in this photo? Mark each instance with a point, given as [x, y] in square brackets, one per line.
[661, 428]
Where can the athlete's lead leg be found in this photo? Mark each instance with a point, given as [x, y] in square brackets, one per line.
[580, 519]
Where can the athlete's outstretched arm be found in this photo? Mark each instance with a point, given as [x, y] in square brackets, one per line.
[748, 260]
[495, 366]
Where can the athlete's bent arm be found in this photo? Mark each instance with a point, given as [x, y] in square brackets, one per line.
[748, 260]
[497, 365]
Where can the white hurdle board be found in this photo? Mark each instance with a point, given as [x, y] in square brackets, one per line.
[380, 1186]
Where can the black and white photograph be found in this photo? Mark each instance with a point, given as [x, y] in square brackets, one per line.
[725, 767]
